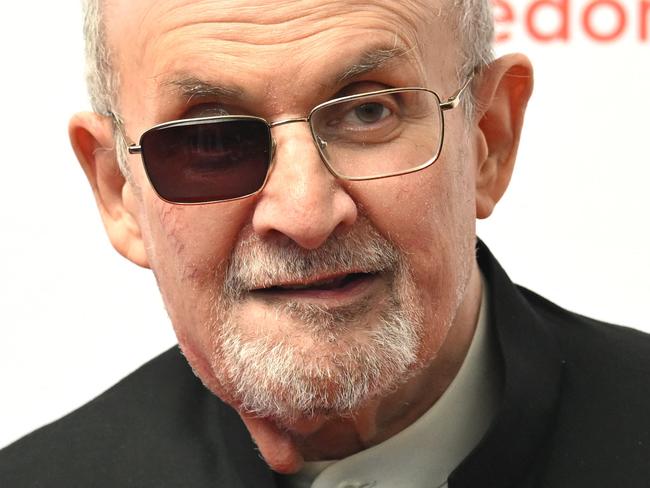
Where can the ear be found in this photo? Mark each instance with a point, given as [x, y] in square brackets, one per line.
[91, 136]
[501, 93]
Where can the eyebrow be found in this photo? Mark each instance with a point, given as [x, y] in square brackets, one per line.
[371, 60]
[190, 87]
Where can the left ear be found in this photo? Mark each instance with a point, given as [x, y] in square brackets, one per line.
[501, 92]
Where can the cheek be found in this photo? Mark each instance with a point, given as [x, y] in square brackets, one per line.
[430, 216]
[188, 247]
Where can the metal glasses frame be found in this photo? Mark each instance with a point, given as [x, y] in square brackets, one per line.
[450, 103]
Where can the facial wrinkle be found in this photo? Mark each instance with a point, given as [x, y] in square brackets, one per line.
[275, 25]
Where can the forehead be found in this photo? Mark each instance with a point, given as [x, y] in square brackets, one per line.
[262, 43]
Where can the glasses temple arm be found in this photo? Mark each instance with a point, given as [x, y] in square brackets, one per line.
[454, 100]
[132, 147]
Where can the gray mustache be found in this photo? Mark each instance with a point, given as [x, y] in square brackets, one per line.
[257, 263]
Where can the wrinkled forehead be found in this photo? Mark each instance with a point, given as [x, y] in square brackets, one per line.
[265, 41]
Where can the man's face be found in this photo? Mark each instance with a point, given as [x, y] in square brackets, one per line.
[317, 294]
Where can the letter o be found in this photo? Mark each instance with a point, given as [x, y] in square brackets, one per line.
[598, 36]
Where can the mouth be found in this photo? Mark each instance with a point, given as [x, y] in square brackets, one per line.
[338, 286]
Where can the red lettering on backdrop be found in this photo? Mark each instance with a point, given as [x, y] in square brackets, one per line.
[503, 14]
[562, 31]
[644, 20]
[587, 17]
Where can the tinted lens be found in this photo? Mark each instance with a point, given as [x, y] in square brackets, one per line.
[203, 161]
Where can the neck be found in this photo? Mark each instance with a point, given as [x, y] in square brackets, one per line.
[286, 447]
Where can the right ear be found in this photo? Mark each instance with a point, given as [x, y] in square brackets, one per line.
[91, 136]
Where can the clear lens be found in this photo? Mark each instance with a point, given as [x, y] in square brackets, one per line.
[379, 134]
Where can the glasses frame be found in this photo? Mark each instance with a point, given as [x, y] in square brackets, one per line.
[450, 103]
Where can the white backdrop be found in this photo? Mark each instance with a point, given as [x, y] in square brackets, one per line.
[75, 317]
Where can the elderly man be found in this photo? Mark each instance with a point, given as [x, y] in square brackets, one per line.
[303, 177]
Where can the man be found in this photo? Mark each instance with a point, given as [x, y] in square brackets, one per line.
[303, 179]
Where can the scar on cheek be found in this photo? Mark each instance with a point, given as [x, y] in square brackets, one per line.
[171, 228]
[193, 273]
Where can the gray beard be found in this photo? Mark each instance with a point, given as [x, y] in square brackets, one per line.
[349, 360]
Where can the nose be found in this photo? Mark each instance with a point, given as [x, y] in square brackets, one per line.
[302, 201]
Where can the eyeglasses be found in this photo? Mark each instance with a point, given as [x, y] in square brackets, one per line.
[359, 137]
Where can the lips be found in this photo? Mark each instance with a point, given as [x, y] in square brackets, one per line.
[329, 283]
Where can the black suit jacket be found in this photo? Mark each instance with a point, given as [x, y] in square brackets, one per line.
[575, 413]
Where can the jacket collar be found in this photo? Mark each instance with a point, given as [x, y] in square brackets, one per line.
[532, 373]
